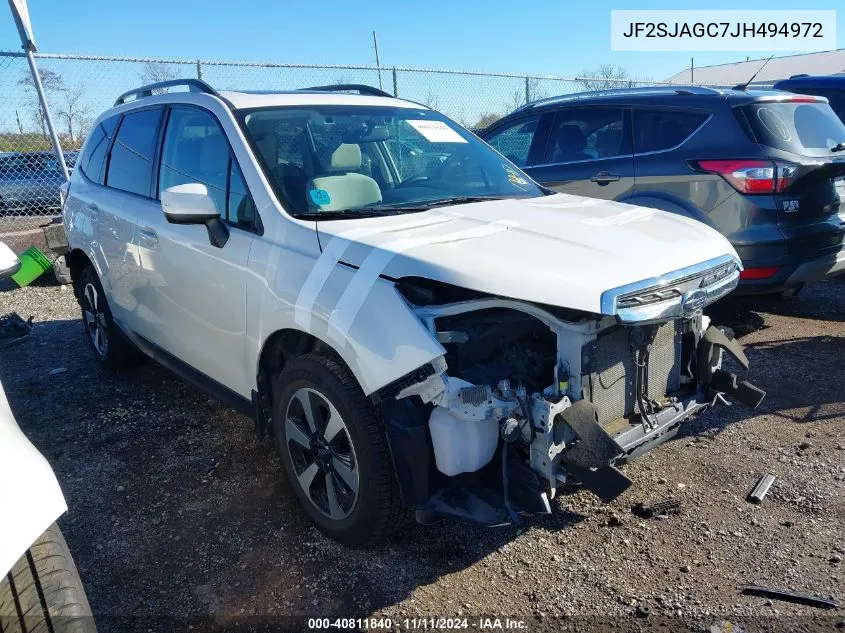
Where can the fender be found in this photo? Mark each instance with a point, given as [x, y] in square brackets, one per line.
[29, 492]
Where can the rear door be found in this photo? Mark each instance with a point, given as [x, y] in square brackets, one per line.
[114, 210]
[801, 135]
[589, 153]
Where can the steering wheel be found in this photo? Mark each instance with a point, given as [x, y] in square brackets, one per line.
[412, 181]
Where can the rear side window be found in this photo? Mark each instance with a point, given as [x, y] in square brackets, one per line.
[92, 161]
[657, 130]
[810, 129]
[581, 134]
[514, 140]
[132, 153]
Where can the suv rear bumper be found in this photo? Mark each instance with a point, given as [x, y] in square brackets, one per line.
[793, 271]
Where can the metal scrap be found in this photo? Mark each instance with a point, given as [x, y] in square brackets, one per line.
[761, 488]
[663, 508]
[790, 596]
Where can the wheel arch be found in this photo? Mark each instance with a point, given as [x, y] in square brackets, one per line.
[77, 260]
[279, 348]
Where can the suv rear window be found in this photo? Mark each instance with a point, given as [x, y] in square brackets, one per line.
[657, 130]
[810, 129]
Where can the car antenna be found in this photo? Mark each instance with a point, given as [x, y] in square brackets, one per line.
[745, 85]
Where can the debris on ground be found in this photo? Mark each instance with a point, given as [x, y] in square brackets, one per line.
[206, 465]
[790, 596]
[661, 509]
[761, 488]
[13, 328]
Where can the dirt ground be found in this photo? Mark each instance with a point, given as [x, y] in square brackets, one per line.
[166, 541]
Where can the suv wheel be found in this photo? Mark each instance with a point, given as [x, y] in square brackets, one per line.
[107, 342]
[334, 451]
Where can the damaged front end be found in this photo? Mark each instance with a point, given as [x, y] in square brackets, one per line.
[529, 397]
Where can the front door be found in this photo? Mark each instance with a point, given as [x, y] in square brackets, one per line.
[196, 290]
[589, 153]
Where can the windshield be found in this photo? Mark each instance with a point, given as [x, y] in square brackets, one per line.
[810, 129]
[349, 161]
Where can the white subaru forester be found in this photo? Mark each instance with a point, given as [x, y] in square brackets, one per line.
[417, 323]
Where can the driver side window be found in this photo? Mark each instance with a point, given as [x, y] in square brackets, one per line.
[196, 151]
[514, 140]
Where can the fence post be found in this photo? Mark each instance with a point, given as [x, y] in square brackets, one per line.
[395, 84]
[527, 91]
[199, 70]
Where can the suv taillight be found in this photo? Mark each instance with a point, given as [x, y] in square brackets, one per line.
[751, 176]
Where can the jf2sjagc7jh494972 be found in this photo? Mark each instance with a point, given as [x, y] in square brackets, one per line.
[417, 323]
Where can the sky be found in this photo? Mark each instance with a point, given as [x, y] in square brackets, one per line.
[543, 37]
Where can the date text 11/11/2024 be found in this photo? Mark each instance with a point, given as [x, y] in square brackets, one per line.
[418, 624]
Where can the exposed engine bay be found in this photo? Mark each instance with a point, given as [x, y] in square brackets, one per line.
[557, 397]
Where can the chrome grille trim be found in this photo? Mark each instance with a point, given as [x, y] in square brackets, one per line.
[680, 293]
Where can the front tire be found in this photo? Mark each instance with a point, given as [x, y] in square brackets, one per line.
[334, 451]
[43, 592]
[106, 340]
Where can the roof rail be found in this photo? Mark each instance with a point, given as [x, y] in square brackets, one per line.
[194, 85]
[362, 89]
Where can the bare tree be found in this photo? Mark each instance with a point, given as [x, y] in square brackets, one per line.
[73, 112]
[486, 120]
[517, 100]
[52, 83]
[154, 72]
[605, 77]
[431, 100]
[535, 89]
[18, 119]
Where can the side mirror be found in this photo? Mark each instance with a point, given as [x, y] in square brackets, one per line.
[188, 204]
[9, 262]
[191, 204]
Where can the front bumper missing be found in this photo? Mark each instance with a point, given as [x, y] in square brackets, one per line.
[594, 455]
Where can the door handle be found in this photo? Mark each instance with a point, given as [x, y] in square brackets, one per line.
[148, 235]
[93, 210]
[603, 178]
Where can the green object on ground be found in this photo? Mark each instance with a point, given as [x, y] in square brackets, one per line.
[33, 264]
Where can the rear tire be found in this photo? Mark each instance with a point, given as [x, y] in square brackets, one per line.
[43, 592]
[110, 346]
[339, 467]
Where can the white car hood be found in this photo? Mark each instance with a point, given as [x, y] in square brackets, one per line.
[559, 250]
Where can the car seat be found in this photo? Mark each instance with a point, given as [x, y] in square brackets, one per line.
[571, 144]
[341, 187]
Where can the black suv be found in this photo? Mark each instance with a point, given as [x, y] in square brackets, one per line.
[765, 168]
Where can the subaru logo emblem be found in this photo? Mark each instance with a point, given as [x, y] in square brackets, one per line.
[693, 302]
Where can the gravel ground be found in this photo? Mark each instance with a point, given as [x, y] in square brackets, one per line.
[162, 543]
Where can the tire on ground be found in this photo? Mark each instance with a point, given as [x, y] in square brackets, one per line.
[379, 510]
[43, 593]
[120, 352]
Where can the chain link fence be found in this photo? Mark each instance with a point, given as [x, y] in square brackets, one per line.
[80, 87]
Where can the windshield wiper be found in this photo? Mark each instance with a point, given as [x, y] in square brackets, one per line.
[379, 210]
[349, 214]
[838, 148]
[431, 204]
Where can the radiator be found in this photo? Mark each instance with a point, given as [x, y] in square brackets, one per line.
[611, 379]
